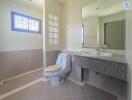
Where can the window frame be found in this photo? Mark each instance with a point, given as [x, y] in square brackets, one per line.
[13, 28]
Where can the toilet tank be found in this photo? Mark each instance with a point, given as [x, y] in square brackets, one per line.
[64, 60]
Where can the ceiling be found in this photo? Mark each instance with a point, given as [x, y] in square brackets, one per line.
[62, 1]
[35, 3]
[102, 8]
[38, 4]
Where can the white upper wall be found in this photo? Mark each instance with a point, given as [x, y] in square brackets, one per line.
[72, 16]
[91, 25]
[129, 48]
[37, 4]
[13, 40]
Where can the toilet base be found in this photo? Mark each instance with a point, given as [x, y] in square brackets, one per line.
[55, 81]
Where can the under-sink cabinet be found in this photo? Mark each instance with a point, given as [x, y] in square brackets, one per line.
[100, 66]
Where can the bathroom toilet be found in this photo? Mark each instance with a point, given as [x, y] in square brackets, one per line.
[57, 73]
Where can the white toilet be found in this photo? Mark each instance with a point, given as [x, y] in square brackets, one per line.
[57, 73]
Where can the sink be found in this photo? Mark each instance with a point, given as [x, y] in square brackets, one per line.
[104, 54]
[95, 54]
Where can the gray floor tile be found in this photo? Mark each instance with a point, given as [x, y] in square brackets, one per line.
[66, 91]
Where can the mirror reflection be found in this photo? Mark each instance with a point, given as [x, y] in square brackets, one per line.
[103, 24]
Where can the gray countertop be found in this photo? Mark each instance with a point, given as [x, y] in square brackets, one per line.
[114, 58]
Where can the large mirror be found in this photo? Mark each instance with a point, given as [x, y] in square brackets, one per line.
[103, 24]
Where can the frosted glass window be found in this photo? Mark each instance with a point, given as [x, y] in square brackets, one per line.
[21, 22]
[51, 35]
[53, 30]
[51, 23]
[56, 35]
[56, 24]
[24, 23]
[51, 41]
[56, 30]
[55, 41]
[51, 16]
[33, 25]
[55, 18]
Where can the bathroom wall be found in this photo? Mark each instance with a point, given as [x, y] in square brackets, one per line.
[73, 23]
[51, 50]
[20, 52]
[11, 40]
[91, 25]
[129, 48]
[13, 63]
[51, 57]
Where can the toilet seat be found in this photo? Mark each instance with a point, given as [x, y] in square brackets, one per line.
[52, 68]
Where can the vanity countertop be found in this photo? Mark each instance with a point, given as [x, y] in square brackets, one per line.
[114, 58]
[114, 65]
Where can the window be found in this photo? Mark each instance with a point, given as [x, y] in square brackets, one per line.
[53, 31]
[24, 23]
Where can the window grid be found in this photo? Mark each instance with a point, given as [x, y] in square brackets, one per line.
[24, 23]
[53, 31]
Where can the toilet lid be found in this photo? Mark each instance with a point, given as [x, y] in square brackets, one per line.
[52, 68]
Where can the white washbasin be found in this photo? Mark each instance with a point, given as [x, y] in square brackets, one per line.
[104, 54]
[95, 54]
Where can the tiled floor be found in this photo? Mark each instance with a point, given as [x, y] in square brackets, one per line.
[20, 81]
[42, 90]
[66, 91]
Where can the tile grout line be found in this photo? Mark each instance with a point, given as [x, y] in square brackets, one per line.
[108, 91]
[78, 83]
[1, 82]
[22, 87]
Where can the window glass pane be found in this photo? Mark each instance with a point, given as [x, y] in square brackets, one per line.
[56, 35]
[51, 35]
[24, 23]
[51, 23]
[55, 41]
[51, 29]
[56, 24]
[51, 16]
[33, 25]
[56, 30]
[55, 18]
[51, 41]
[20, 22]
